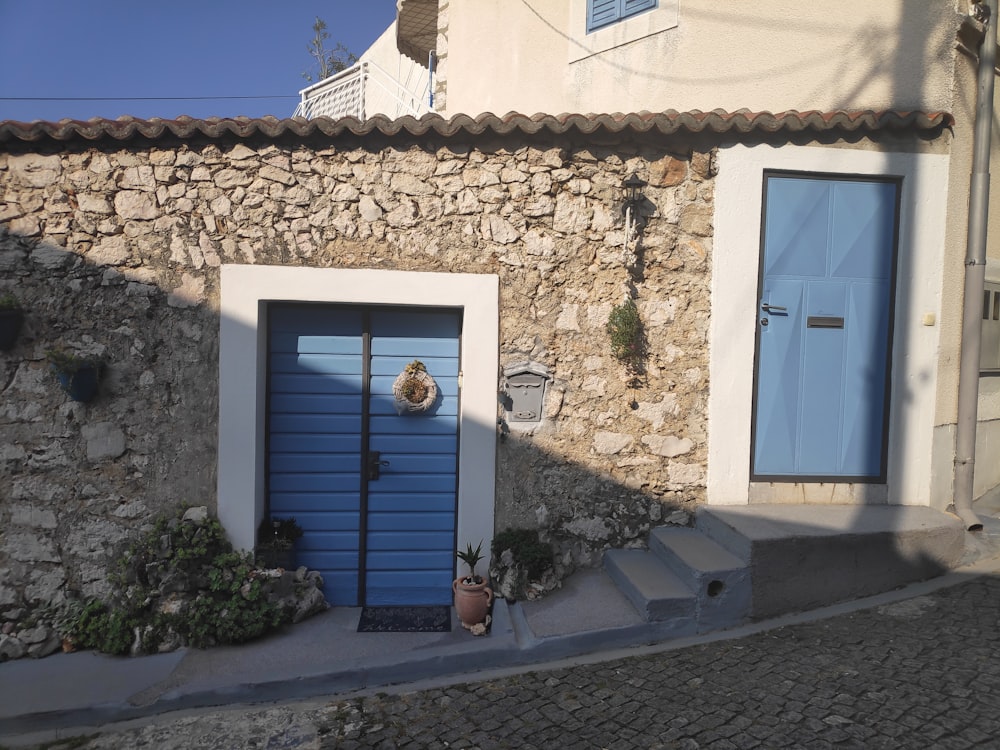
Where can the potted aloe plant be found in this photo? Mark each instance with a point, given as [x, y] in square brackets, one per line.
[473, 597]
[77, 375]
[11, 318]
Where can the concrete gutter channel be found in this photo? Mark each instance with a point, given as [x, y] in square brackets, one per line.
[588, 620]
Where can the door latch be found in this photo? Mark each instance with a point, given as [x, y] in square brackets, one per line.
[375, 464]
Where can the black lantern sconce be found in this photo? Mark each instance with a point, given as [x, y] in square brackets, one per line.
[633, 186]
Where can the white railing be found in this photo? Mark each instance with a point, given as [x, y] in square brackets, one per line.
[360, 91]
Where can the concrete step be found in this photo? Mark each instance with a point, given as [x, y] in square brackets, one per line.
[722, 529]
[720, 579]
[654, 591]
[688, 552]
[808, 556]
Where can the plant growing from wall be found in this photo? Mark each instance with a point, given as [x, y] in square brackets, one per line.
[227, 602]
[77, 375]
[624, 328]
[519, 557]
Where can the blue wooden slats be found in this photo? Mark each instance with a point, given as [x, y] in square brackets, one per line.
[317, 391]
[828, 253]
[411, 521]
[315, 423]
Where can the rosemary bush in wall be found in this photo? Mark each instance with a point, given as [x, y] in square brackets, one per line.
[625, 329]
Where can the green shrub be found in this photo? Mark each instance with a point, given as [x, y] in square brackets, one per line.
[625, 330]
[226, 605]
[103, 629]
[529, 552]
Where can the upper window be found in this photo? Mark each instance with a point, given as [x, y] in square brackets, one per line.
[601, 13]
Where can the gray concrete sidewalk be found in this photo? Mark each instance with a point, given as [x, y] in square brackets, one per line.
[326, 656]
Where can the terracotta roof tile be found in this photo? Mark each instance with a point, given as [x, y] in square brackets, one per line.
[666, 123]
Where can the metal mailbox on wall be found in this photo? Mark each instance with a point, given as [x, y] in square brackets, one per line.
[524, 387]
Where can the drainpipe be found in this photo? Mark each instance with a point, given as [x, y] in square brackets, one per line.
[975, 274]
[431, 59]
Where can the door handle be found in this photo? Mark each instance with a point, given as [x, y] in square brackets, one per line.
[375, 464]
[769, 308]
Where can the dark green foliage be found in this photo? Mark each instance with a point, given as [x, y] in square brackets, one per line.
[68, 363]
[102, 629]
[225, 601]
[233, 609]
[530, 553]
[625, 329]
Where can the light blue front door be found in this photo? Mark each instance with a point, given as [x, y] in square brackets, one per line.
[374, 491]
[824, 319]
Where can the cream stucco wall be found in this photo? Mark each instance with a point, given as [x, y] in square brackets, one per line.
[769, 55]
[381, 97]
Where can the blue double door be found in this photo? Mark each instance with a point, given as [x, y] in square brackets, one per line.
[824, 329]
[374, 491]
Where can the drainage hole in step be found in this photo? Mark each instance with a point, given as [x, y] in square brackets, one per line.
[715, 588]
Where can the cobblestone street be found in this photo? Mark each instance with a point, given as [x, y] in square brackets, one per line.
[922, 672]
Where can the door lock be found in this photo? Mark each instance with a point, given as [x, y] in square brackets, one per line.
[375, 464]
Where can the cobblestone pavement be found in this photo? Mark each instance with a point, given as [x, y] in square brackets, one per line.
[923, 672]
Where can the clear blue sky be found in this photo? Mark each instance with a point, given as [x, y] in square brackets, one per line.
[169, 48]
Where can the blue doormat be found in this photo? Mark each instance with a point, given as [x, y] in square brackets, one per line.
[405, 620]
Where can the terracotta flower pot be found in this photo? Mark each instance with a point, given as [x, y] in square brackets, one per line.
[472, 601]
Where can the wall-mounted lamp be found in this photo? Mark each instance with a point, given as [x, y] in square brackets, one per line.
[633, 186]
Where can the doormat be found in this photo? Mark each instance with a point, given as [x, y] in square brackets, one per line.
[405, 620]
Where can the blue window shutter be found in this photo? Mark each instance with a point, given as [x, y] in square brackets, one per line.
[601, 13]
[631, 7]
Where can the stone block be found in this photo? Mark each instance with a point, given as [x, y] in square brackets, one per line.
[34, 170]
[105, 440]
[610, 443]
[668, 445]
[135, 204]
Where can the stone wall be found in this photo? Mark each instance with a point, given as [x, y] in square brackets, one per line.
[114, 250]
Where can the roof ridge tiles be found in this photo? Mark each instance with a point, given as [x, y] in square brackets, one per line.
[668, 122]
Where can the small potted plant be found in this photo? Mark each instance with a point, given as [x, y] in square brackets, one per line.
[473, 597]
[276, 538]
[77, 375]
[11, 318]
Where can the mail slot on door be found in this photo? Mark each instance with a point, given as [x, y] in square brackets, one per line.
[824, 321]
[524, 385]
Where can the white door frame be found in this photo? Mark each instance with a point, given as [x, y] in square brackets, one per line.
[242, 377]
[735, 272]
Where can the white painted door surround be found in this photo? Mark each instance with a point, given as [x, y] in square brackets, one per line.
[735, 273]
[246, 290]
